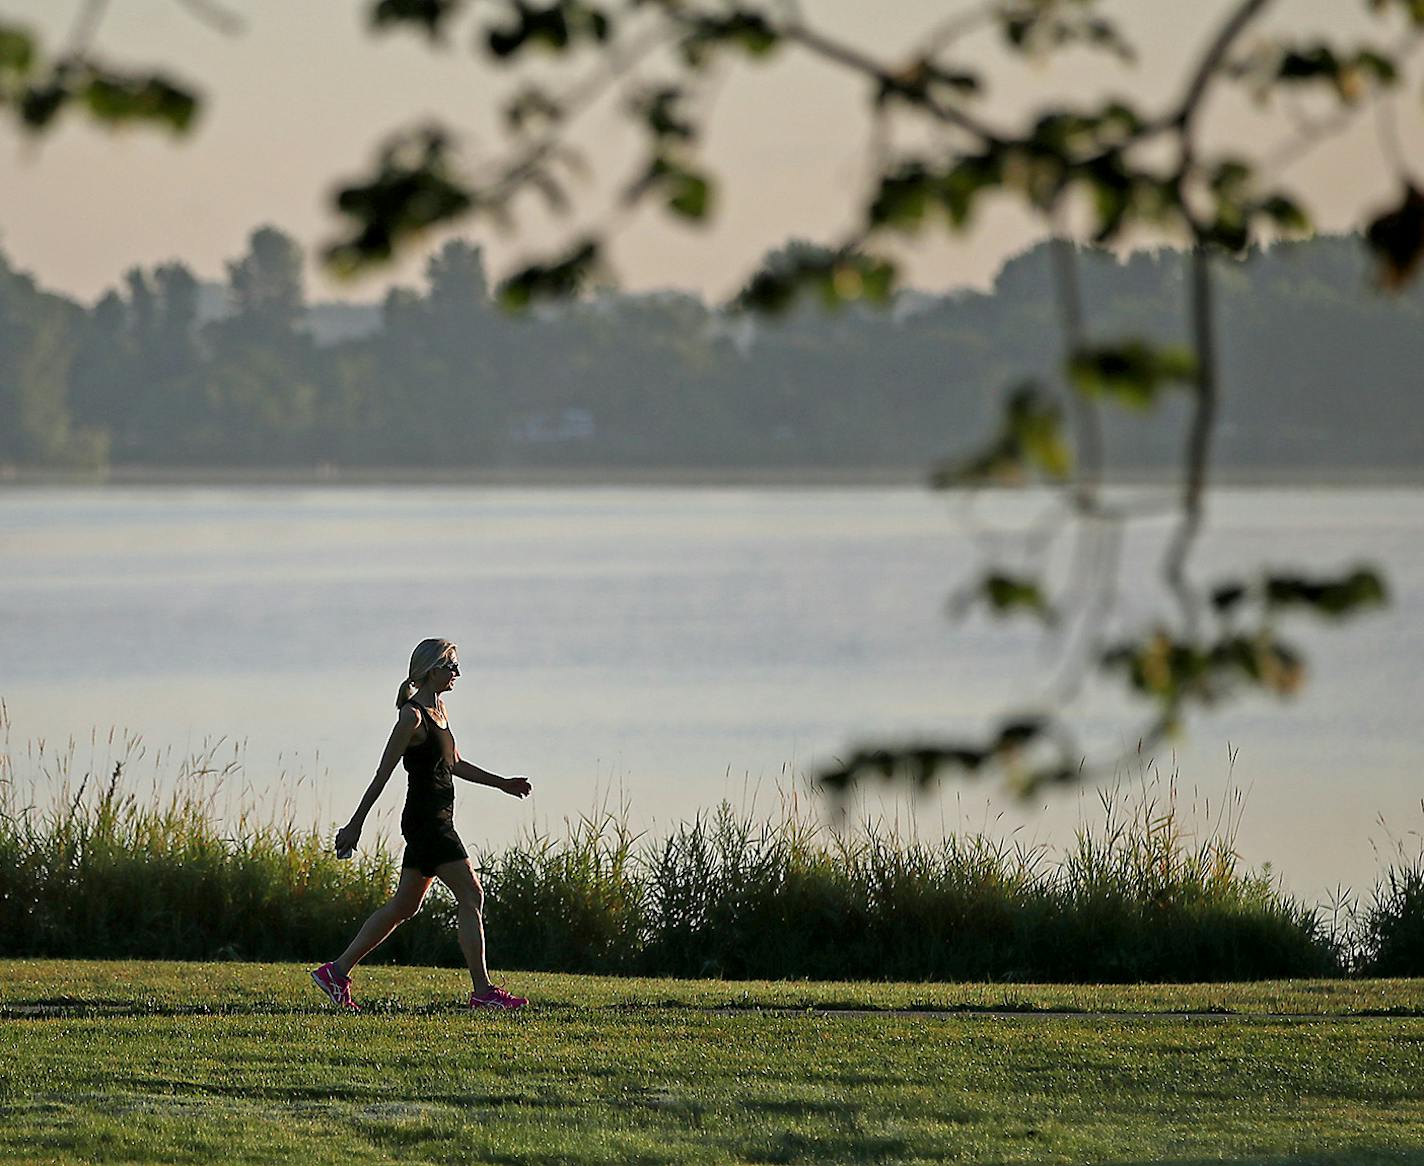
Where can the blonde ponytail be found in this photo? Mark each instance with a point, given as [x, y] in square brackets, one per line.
[428, 654]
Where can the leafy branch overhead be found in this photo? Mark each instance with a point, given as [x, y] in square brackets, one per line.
[1104, 172]
[1116, 167]
[39, 92]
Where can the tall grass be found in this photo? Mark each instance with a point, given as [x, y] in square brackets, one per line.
[98, 871]
[90, 867]
[1388, 932]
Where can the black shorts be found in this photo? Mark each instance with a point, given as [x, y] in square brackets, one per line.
[427, 849]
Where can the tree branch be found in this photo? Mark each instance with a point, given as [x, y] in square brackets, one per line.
[1211, 61]
[1198, 439]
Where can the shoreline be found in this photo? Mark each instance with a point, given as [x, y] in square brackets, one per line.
[688, 477]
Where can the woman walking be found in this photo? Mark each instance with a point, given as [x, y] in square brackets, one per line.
[423, 742]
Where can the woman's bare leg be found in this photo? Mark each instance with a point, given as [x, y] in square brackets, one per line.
[464, 884]
[410, 893]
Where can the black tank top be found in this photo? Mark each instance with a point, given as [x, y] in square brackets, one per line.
[430, 790]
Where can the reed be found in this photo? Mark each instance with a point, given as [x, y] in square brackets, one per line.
[1387, 933]
[89, 867]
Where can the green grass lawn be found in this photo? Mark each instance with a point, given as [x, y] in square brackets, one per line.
[145, 1062]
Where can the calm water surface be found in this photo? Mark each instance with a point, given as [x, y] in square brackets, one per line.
[671, 647]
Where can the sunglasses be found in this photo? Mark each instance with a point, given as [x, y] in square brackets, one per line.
[450, 666]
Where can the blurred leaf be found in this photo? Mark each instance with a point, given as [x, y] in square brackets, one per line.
[1230, 177]
[531, 107]
[17, 52]
[555, 27]
[915, 83]
[432, 14]
[1227, 597]
[115, 98]
[1171, 672]
[1005, 594]
[413, 190]
[741, 28]
[912, 190]
[1285, 213]
[108, 96]
[1361, 588]
[1040, 26]
[1131, 372]
[687, 193]
[40, 105]
[904, 196]
[1037, 425]
[1413, 9]
[1397, 240]
[1018, 732]
[562, 278]
[660, 109]
[1350, 76]
[836, 277]
[922, 762]
[1261, 660]
[1031, 435]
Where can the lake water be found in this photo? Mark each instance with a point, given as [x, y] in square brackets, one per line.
[673, 647]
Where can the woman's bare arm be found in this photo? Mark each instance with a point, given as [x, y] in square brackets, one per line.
[350, 834]
[519, 787]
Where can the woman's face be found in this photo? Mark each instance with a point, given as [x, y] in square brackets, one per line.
[444, 674]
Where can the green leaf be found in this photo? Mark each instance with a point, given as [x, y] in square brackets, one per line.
[1350, 76]
[661, 110]
[1037, 425]
[1007, 594]
[687, 193]
[1131, 373]
[432, 14]
[531, 107]
[837, 277]
[562, 278]
[743, 29]
[413, 190]
[914, 83]
[1227, 597]
[1031, 435]
[1018, 732]
[17, 51]
[555, 27]
[1285, 213]
[115, 98]
[40, 104]
[903, 198]
[1361, 588]
[1397, 240]
[1413, 9]
[1037, 26]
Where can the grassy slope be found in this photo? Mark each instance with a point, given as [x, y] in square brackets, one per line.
[118, 1062]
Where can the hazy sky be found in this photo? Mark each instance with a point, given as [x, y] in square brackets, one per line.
[304, 94]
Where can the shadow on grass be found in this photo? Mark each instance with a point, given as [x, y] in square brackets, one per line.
[1352, 1157]
[63, 1008]
[70, 1008]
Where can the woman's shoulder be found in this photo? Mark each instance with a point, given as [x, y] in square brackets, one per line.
[409, 715]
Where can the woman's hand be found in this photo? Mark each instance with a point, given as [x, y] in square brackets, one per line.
[346, 839]
[518, 786]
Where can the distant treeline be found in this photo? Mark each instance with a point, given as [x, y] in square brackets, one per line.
[1319, 371]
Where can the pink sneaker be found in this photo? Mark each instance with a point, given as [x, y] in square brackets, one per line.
[496, 997]
[336, 986]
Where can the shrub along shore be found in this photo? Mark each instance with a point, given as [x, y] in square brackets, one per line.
[102, 873]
